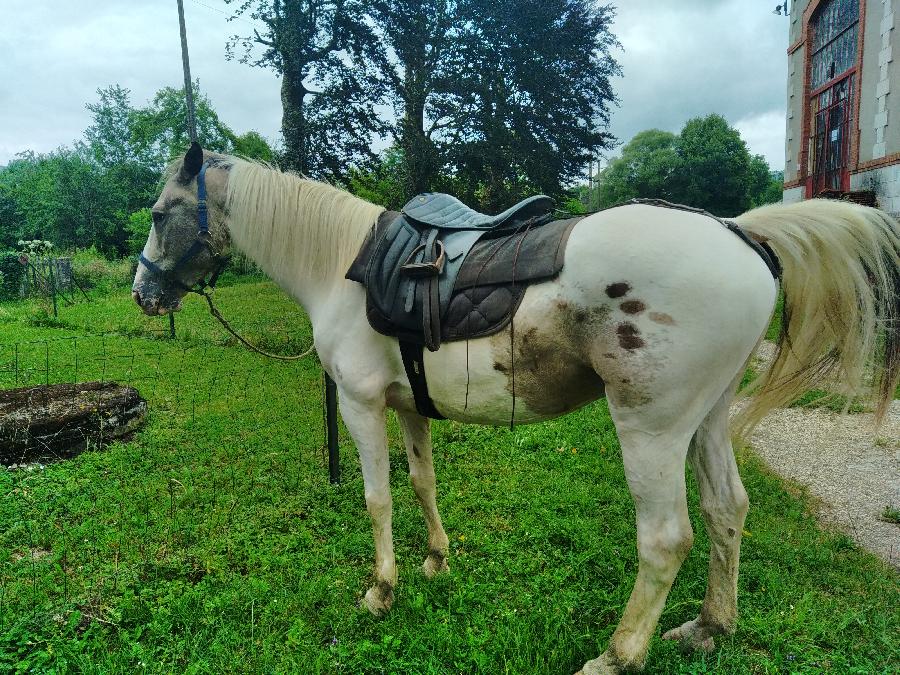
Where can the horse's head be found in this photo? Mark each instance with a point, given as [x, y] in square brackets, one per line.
[188, 236]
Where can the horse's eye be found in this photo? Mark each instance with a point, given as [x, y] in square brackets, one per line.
[158, 217]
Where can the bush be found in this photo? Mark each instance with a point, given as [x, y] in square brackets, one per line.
[137, 229]
[12, 272]
[93, 270]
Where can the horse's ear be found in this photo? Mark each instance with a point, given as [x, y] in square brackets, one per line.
[193, 160]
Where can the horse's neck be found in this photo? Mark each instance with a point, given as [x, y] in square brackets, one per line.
[304, 237]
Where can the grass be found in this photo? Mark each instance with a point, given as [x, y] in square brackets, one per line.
[212, 542]
[891, 514]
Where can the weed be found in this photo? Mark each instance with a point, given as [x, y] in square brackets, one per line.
[891, 514]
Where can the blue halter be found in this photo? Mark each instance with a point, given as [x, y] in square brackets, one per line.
[200, 244]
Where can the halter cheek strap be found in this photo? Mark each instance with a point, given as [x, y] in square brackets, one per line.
[200, 244]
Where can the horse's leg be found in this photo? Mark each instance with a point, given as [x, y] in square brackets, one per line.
[366, 424]
[417, 438]
[654, 468]
[724, 504]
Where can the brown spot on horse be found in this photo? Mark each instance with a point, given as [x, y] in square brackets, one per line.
[548, 378]
[632, 306]
[618, 289]
[662, 317]
[629, 336]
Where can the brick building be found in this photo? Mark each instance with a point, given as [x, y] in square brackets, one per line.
[843, 119]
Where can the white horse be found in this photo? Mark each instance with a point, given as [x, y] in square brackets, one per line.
[657, 309]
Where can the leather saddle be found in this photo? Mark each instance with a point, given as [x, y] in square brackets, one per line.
[440, 271]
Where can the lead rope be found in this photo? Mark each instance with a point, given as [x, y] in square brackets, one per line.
[227, 326]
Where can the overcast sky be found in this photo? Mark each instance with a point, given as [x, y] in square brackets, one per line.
[681, 58]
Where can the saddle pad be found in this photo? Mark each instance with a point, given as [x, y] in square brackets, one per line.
[489, 283]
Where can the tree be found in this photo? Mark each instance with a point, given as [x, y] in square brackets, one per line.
[96, 193]
[646, 168]
[252, 145]
[329, 61]
[424, 37]
[715, 167]
[381, 183]
[706, 166]
[129, 166]
[540, 95]
[505, 97]
[160, 130]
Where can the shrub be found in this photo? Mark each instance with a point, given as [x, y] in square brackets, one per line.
[137, 228]
[93, 270]
[12, 272]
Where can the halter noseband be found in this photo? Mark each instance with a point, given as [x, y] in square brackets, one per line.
[200, 244]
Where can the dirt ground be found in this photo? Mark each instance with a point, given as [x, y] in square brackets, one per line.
[852, 469]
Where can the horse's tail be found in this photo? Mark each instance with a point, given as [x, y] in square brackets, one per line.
[840, 321]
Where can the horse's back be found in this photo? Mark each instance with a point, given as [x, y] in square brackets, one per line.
[650, 300]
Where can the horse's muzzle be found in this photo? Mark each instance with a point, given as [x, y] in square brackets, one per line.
[153, 306]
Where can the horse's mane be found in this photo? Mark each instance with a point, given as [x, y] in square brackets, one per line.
[293, 226]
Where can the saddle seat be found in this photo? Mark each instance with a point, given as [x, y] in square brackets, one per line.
[448, 213]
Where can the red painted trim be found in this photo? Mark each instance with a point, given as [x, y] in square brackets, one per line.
[832, 82]
[887, 160]
[794, 47]
[852, 162]
[855, 140]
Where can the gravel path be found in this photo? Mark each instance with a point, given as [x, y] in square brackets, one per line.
[845, 463]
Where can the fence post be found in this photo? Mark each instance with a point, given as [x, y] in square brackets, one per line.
[171, 325]
[53, 285]
[334, 458]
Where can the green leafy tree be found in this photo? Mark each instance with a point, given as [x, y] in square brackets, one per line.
[160, 129]
[706, 166]
[537, 99]
[774, 192]
[88, 195]
[382, 182]
[501, 97]
[329, 60]
[129, 168]
[252, 145]
[647, 167]
[137, 228]
[715, 167]
[424, 38]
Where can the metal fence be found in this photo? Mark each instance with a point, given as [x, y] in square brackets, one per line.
[205, 434]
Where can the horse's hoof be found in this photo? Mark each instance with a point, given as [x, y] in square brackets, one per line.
[435, 563]
[379, 598]
[604, 664]
[693, 636]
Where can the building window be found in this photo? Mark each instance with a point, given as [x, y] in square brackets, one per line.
[835, 36]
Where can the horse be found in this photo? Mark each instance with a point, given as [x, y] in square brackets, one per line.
[658, 310]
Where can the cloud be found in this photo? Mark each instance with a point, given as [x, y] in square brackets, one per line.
[56, 56]
[693, 58]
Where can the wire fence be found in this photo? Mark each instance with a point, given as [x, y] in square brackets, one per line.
[225, 430]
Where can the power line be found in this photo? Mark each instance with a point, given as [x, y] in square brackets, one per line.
[227, 15]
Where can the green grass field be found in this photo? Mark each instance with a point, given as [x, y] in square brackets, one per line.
[212, 542]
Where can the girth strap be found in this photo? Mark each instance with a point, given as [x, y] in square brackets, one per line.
[414, 365]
